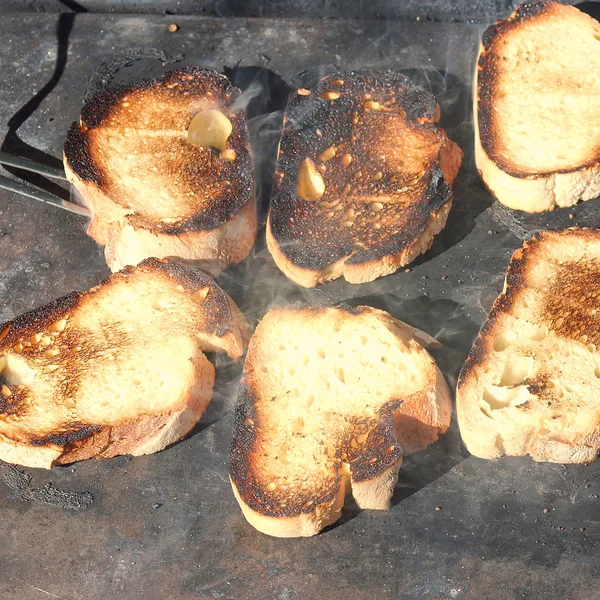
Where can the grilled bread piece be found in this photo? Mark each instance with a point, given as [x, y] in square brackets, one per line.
[537, 129]
[157, 189]
[531, 384]
[330, 400]
[363, 180]
[119, 369]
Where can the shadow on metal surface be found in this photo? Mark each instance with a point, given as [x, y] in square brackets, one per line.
[13, 143]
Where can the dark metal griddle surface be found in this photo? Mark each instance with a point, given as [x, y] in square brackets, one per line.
[167, 526]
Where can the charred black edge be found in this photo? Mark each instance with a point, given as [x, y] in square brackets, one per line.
[381, 438]
[77, 151]
[215, 305]
[32, 321]
[418, 104]
[74, 433]
[99, 107]
[240, 469]
[515, 276]
[77, 155]
[487, 79]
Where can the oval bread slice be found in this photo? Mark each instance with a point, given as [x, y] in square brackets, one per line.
[165, 166]
[119, 369]
[364, 178]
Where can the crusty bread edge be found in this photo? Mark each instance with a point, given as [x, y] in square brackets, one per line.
[211, 250]
[302, 525]
[374, 494]
[531, 193]
[363, 272]
[131, 436]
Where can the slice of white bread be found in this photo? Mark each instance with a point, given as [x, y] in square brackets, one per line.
[531, 382]
[537, 105]
[330, 400]
[115, 370]
[364, 178]
[165, 166]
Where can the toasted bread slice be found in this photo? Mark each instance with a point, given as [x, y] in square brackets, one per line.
[330, 400]
[119, 369]
[136, 160]
[537, 129]
[363, 180]
[531, 384]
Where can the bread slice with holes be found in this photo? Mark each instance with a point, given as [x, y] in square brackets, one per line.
[531, 382]
[364, 178]
[330, 400]
[165, 166]
[537, 129]
[119, 369]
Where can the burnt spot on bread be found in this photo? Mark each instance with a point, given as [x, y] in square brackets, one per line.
[365, 449]
[212, 190]
[574, 311]
[72, 432]
[377, 149]
[36, 320]
[538, 385]
[13, 401]
[371, 446]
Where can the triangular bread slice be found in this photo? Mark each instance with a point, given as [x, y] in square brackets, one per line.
[330, 400]
[118, 369]
[536, 105]
[165, 166]
[363, 181]
[531, 382]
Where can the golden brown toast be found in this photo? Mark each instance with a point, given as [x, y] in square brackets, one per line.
[118, 369]
[136, 160]
[363, 181]
[531, 382]
[537, 130]
[330, 400]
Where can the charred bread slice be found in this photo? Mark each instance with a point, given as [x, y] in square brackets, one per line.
[536, 104]
[330, 400]
[165, 166]
[531, 382]
[118, 369]
[363, 181]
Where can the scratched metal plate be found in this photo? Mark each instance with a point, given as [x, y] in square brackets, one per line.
[167, 526]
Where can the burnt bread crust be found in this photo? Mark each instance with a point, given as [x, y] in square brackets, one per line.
[381, 451]
[572, 324]
[55, 341]
[490, 65]
[169, 104]
[374, 205]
